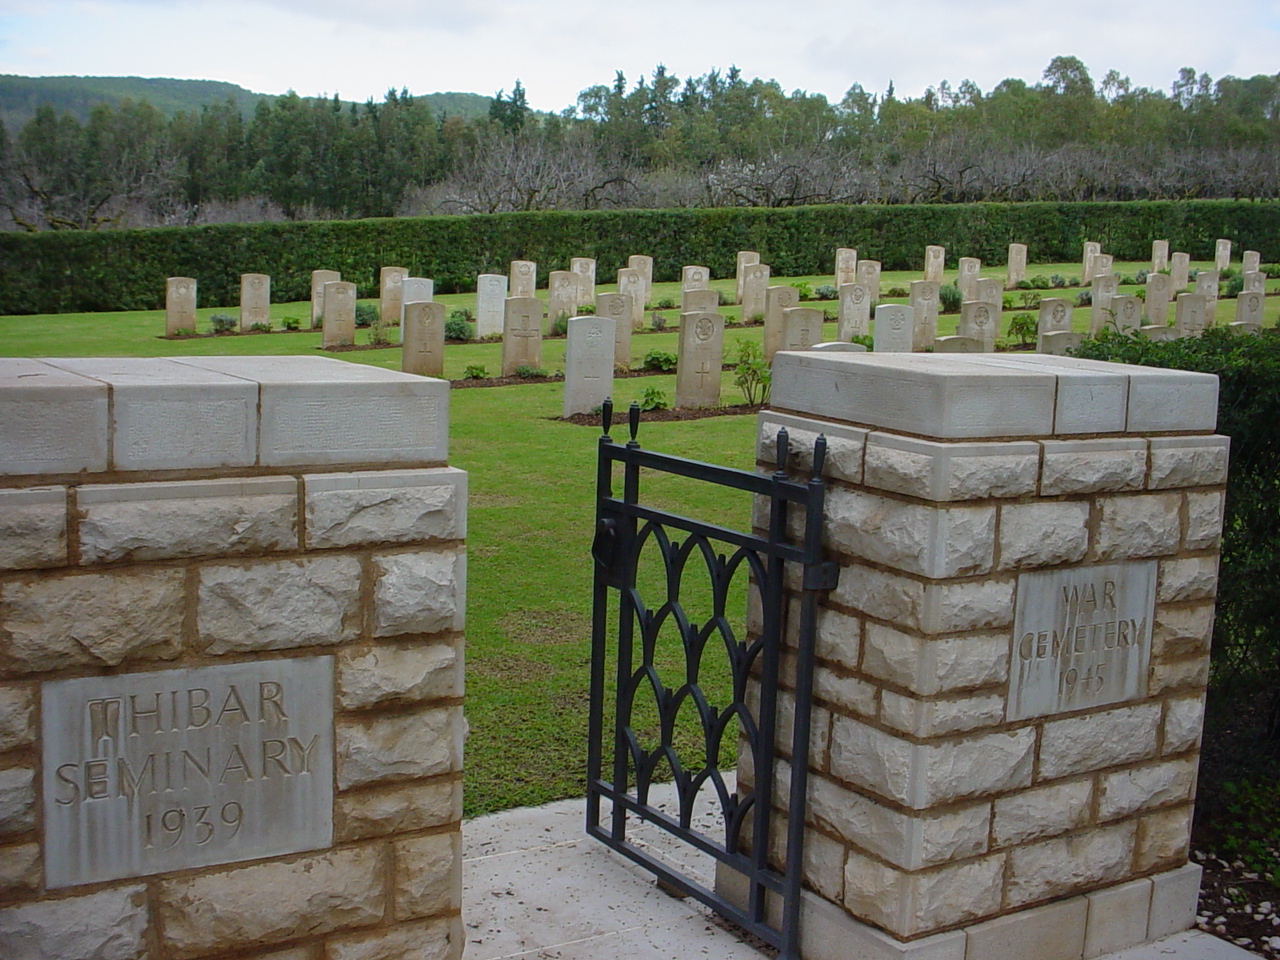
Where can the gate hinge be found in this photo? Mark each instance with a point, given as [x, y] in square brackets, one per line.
[821, 576]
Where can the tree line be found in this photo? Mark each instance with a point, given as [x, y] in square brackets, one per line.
[715, 140]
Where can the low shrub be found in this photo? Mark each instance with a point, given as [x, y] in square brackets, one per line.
[898, 292]
[726, 299]
[949, 298]
[1084, 298]
[259, 327]
[475, 371]
[367, 315]
[1040, 282]
[666, 303]
[1023, 326]
[658, 360]
[559, 326]
[825, 291]
[291, 323]
[459, 325]
[803, 290]
[1235, 287]
[527, 372]
[223, 323]
[752, 374]
[658, 321]
[1057, 281]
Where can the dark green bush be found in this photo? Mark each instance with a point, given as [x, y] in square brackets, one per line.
[459, 326]
[223, 323]
[949, 298]
[1235, 287]
[367, 315]
[825, 291]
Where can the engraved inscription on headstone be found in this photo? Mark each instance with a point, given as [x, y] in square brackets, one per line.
[1081, 638]
[150, 772]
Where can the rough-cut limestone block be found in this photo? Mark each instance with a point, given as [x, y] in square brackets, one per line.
[1117, 918]
[164, 521]
[403, 746]
[1052, 932]
[823, 865]
[943, 395]
[847, 693]
[1194, 578]
[1189, 674]
[951, 471]
[20, 870]
[1098, 740]
[51, 421]
[1188, 461]
[386, 506]
[17, 800]
[1183, 723]
[171, 415]
[1064, 865]
[1141, 788]
[317, 410]
[936, 718]
[1042, 812]
[439, 939]
[931, 541]
[1174, 895]
[935, 665]
[883, 595]
[930, 608]
[1043, 534]
[1182, 630]
[33, 528]
[925, 775]
[907, 904]
[844, 444]
[1164, 838]
[383, 674]
[819, 726]
[1142, 525]
[310, 896]
[837, 638]
[17, 715]
[419, 592]
[98, 619]
[279, 605]
[1204, 520]
[108, 925]
[1093, 466]
[428, 875]
[362, 814]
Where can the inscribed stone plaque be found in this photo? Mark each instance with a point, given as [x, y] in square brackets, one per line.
[1249, 308]
[563, 289]
[701, 356]
[1207, 287]
[893, 332]
[1222, 254]
[777, 300]
[588, 364]
[524, 279]
[150, 772]
[584, 268]
[644, 266]
[1081, 638]
[1180, 270]
[423, 330]
[1055, 317]
[700, 301]
[755, 285]
[390, 280]
[1159, 289]
[1255, 281]
[414, 290]
[521, 334]
[1091, 250]
[631, 284]
[801, 328]
[694, 278]
[255, 300]
[979, 321]
[868, 273]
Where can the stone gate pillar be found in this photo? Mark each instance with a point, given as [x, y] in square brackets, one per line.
[1011, 676]
[231, 611]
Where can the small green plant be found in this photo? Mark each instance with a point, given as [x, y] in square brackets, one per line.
[1057, 281]
[1249, 826]
[803, 290]
[1030, 300]
[753, 319]
[1023, 285]
[1228, 273]
[459, 325]
[1235, 287]
[658, 360]
[559, 326]
[658, 320]
[378, 334]
[1039, 282]
[291, 323]
[367, 315]
[752, 376]
[1023, 326]
[666, 303]
[475, 371]
[825, 291]
[865, 339]
[223, 323]
[897, 292]
[463, 313]
[527, 372]
[1084, 298]
[1141, 276]
[1006, 302]
[726, 299]
[184, 332]
[587, 310]
[949, 298]
[259, 327]
[653, 399]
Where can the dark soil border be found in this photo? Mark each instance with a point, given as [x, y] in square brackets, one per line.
[669, 415]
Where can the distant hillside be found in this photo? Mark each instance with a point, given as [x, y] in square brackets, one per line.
[21, 96]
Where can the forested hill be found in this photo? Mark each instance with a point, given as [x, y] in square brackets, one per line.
[21, 96]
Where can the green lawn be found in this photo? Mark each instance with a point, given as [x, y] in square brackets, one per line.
[531, 515]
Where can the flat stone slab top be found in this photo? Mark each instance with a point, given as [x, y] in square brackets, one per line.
[135, 414]
[967, 396]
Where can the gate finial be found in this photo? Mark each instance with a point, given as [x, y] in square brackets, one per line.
[819, 454]
[783, 451]
[633, 416]
[606, 415]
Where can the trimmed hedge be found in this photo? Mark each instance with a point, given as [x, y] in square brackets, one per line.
[71, 271]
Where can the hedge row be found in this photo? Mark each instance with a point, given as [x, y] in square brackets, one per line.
[67, 271]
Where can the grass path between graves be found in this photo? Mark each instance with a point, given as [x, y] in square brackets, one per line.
[530, 519]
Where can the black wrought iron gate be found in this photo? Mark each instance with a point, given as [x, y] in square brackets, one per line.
[748, 719]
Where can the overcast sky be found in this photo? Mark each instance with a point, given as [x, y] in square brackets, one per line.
[360, 49]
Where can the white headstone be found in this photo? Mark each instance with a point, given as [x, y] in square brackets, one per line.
[491, 300]
[935, 260]
[1249, 308]
[423, 329]
[694, 278]
[979, 321]
[1159, 291]
[854, 311]
[414, 290]
[1250, 261]
[563, 290]
[989, 291]
[1190, 314]
[869, 275]
[1207, 287]
[1255, 281]
[745, 259]
[893, 329]
[1016, 271]
[588, 364]
[179, 305]
[778, 300]
[1179, 272]
[958, 345]
[1159, 255]
[1103, 264]
[699, 301]
[755, 283]
[846, 266]
[1222, 255]
[1057, 344]
[838, 346]
[1103, 289]
[255, 299]
[318, 279]
[1126, 313]
[924, 301]
[631, 284]
[339, 317]
[1091, 250]
[390, 294]
[521, 334]
[617, 307]
[1158, 333]
[967, 276]
[584, 268]
[701, 357]
[801, 328]
[644, 266]
[524, 279]
[1055, 317]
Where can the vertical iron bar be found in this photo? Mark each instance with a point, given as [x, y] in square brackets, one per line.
[599, 626]
[626, 624]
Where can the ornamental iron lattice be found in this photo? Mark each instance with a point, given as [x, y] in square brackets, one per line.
[739, 713]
